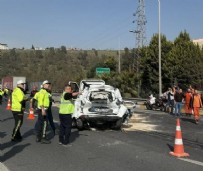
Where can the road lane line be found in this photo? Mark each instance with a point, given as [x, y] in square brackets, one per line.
[3, 167]
[192, 161]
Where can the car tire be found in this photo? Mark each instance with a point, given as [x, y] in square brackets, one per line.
[79, 124]
[148, 106]
[74, 124]
[118, 124]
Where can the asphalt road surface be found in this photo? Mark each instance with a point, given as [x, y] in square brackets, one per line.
[144, 145]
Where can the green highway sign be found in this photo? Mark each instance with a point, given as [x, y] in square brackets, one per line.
[102, 70]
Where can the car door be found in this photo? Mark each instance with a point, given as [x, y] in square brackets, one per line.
[74, 87]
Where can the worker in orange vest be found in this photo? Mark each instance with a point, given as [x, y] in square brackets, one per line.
[195, 104]
[188, 110]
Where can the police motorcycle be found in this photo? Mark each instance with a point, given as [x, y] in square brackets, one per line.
[150, 102]
[153, 103]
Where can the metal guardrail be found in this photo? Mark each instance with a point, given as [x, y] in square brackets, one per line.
[136, 100]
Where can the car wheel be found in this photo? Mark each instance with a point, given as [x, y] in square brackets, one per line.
[79, 124]
[74, 124]
[118, 124]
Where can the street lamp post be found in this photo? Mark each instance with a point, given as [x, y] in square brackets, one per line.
[160, 79]
[138, 60]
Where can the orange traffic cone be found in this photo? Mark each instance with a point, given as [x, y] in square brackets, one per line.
[178, 147]
[8, 104]
[31, 115]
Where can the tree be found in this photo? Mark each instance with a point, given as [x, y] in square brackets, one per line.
[186, 62]
[149, 65]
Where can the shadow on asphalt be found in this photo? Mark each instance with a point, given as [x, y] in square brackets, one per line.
[13, 151]
[28, 133]
[10, 143]
[3, 120]
[2, 134]
[170, 147]
[15, 148]
[74, 136]
[188, 120]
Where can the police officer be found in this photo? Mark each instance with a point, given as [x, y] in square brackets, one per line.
[33, 92]
[42, 106]
[66, 110]
[17, 107]
[1, 95]
[49, 112]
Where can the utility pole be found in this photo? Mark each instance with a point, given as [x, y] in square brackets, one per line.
[119, 58]
[140, 35]
[160, 75]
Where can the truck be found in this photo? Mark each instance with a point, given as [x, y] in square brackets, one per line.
[10, 82]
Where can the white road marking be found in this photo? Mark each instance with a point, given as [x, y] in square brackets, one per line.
[192, 161]
[112, 144]
[3, 167]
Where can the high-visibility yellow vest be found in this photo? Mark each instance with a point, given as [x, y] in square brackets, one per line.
[1, 92]
[36, 96]
[17, 97]
[66, 106]
[6, 90]
[42, 98]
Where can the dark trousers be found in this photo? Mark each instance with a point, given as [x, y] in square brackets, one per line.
[50, 119]
[65, 128]
[170, 104]
[41, 125]
[18, 117]
[0, 99]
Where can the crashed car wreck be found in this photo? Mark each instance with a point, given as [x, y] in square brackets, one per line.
[99, 104]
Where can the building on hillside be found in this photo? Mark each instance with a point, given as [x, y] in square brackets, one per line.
[198, 42]
[39, 48]
[3, 46]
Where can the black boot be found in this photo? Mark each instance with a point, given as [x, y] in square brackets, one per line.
[45, 141]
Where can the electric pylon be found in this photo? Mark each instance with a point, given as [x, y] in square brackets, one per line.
[140, 35]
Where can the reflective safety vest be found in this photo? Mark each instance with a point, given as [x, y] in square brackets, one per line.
[36, 96]
[1, 92]
[17, 98]
[6, 91]
[42, 98]
[34, 100]
[66, 106]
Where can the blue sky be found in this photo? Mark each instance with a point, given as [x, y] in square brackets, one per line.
[86, 24]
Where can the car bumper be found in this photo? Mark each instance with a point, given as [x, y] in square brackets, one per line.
[100, 118]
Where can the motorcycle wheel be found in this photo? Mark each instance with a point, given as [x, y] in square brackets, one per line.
[148, 107]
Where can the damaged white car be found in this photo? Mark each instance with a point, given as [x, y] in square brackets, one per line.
[99, 104]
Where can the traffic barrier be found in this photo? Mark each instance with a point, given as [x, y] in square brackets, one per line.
[8, 104]
[31, 115]
[178, 147]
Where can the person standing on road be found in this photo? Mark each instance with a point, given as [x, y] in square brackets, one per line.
[188, 95]
[42, 106]
[1, 95]
[49, 111]
[33, 92]
[170, 98]
[66, 110]
[6, 93]
[195, 104]
[178, 97]
[17, 107]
